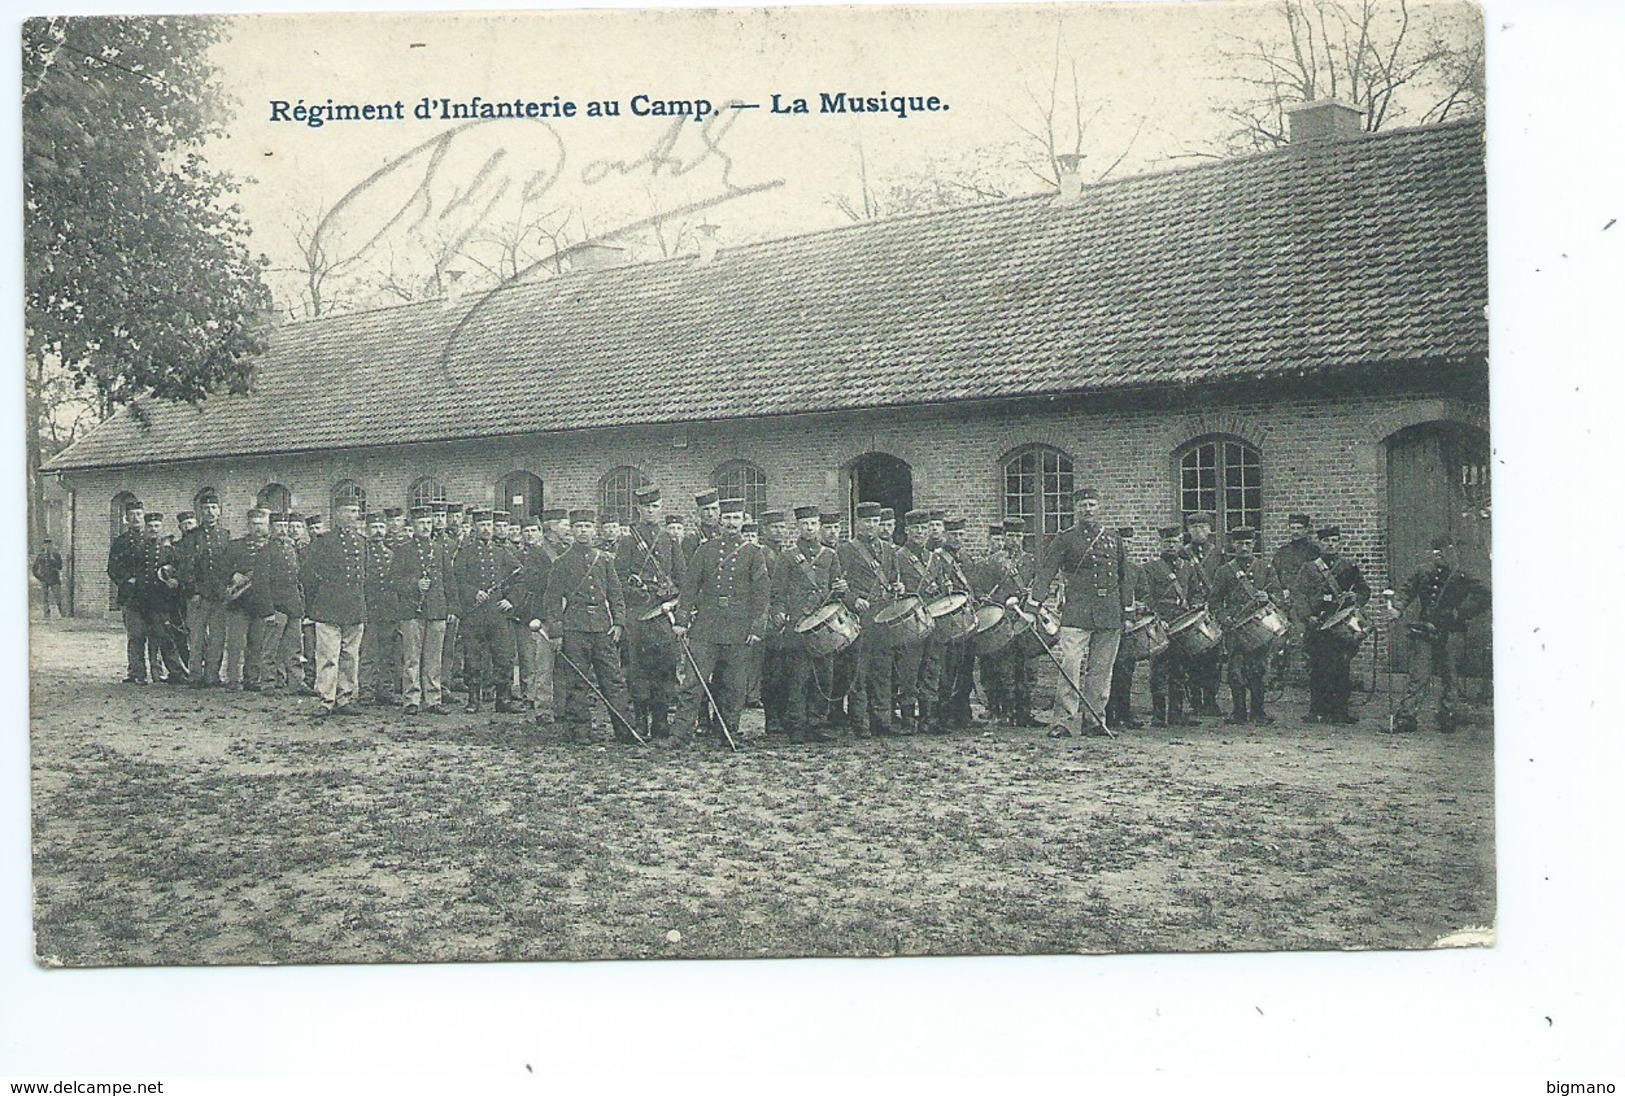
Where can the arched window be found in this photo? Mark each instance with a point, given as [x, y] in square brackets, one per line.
[275, 498]
[740, 479]
[1038, 488]
[520, 493]
[346, 492]
[426, 492]
[1224, 476]
[615, 493]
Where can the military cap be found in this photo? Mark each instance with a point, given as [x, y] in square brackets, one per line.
[647, 496]
[733, 506]
[455, 508]
[1242, 534]
[500, 515]
[278, 517]
[954, 525]
[184, 514]
[806, 512]
[1085, 493]
[1441, 542]
[208, 494]
[583, 516]
[888, 514]
[705, 498]
[532, 521]
[773, 517]
[1199, 517]
[557, 513]
[422, 512]
[831, 517]
[1327, 531]
[868, 510]
[153, 517]
[937, 514]
[313, 519]
[376, 518]
[257, 511]
[440, 507]
[917, 517]
[749, 524]
[1168, 532]
[674, 519]
[1126, 532]
[1015, 525]
[392, 511]
[133, 504]
[479, 513]
[996, 529]
[1299, 519]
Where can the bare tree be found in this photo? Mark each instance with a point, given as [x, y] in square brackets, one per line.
[1394, 61]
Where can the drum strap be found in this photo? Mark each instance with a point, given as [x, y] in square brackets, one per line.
[807, 568]
[1330, 576]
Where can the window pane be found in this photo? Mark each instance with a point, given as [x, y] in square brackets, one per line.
[1038, 485]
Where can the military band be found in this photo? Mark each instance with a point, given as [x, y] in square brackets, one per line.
[670, 625]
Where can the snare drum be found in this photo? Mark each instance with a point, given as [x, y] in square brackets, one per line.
[903, 622]
[1263, 626]
[953, 617]
[1196, 632]
[1145, 638]
[1346, 625]
[832, 628]
[996, 626]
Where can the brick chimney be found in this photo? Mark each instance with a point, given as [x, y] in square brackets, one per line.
[1071, 178]
[585, 257]
[708, 243]
[1324, 120]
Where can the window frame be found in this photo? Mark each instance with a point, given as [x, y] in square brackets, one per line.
[634, 477]
[1217, 495]
[1053, 500]
[754, 493]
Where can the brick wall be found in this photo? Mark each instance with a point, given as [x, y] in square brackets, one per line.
[1326, 457]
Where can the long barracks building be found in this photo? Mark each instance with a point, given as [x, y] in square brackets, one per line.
[1299, 330]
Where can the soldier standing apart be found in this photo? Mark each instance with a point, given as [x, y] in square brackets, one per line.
[1092, 562]
[419, 576]
[124, 572]
[1239, 588]
[722, 612]
[1120, 708]
[1323, 588]
[1164, 587]
[379, 674]
[807, 579]
[650, 566]
[203, 572]
[335, 580]
[48, 570]
[582, 611]
[1446, 599]
[481, 573]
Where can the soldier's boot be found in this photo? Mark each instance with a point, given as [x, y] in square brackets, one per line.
[473, 704]
[1238, 706]
[905, 724]
[1159, 710]
[1176, 713]
[798, 737]
[1256, 713]
[659, 721]
[505, 703]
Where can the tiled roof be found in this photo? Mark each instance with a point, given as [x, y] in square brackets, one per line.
[1336, 256]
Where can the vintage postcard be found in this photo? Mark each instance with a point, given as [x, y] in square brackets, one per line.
[758, 483]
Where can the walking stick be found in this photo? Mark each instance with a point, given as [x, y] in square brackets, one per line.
[570, 662]
[689, 651]
[1032, 626]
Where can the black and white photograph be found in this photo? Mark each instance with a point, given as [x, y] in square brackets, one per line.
[760, 484]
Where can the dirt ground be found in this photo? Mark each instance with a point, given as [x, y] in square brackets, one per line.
[173, 827]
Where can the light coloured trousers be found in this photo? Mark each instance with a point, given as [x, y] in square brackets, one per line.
[423, 645]
[1086, 661]
[338, 661]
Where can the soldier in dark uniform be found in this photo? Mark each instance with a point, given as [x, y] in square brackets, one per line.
[768, 661]
[154, 598]
[807, 577]
[722, 613]
[482, 571]
[254, 556]
[451, 662]
[1203, 671]
[650, 567]
[203, 573]
[527, 643]
[869, 565]
[420, 579]
[334, 575]
[992, 578]
[1120, 708]
[1289, 560]
[307, 627]
[1323, 588]
[123, 571]
[1020, 667]
[888, 525]
[915, 676]
[582, 611]
[1094, 565]
[1164, 586]
[47, 569]
[708, 527]
[380, 677]
[1446, 599]
[958, 663]
[287, 604]
[1239, 588]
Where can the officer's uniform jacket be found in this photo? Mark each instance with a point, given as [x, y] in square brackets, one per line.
[248, 555]
[382, 605]
[124, 565]
[1235, 587]
[150, 592]
[801, 582]
[696, 537]
[1164, 584]
[281, 562]
[1093, 563]
[583, 593]
[870, 568]
[421, 557]
[334, 574]
[482, 565]
[651, 566]
[726, 591]
[1326, 585]
[1447, 598]
[204, 570]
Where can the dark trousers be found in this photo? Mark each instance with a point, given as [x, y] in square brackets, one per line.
[1202, 675]
[52, 592]
[1330, 681]
[841, 679]
[1249, 670]
[872, 691]
[488, 650]
[651, 670]
[775, 684]
[1168, 681]
[955, 684]
[1432, 656]
[593, 654]
[907, 663]
[724, 666]
[799, 672]
[135, 643]
[1120, 706]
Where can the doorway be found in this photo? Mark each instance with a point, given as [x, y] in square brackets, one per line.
[882, 478]
[520, 493]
